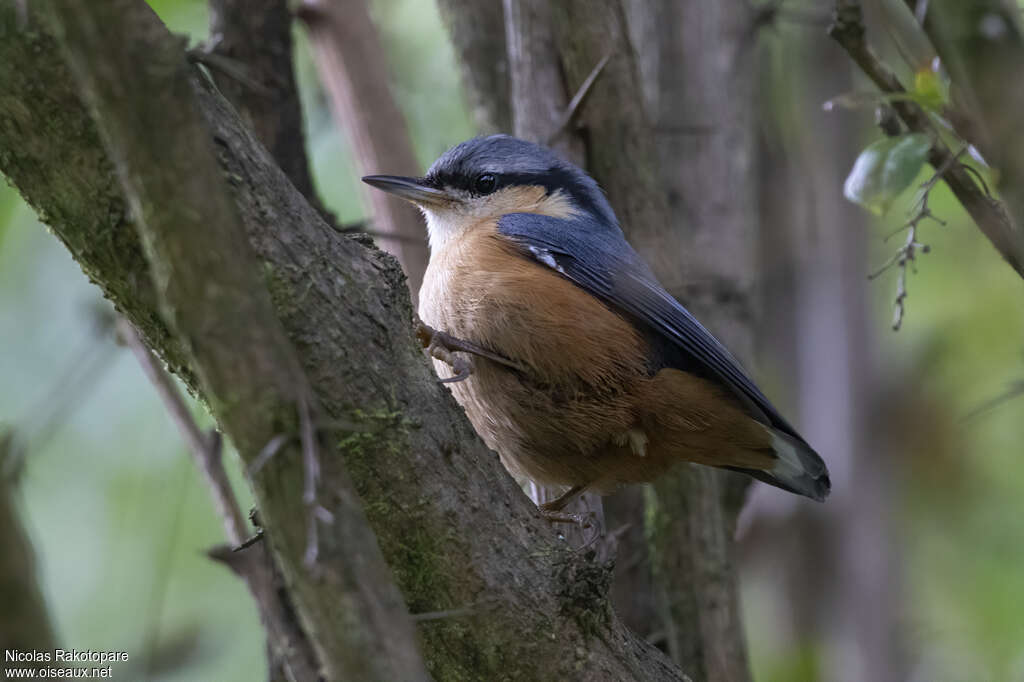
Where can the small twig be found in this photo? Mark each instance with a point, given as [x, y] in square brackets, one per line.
[907, 254]
[231, 68]
[246, 544]
[577, 99]
[1015, 390]
[442, 615]
[361, 227]
[205, 449]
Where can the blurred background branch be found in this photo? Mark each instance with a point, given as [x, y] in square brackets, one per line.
[353, 66]
[25, 620]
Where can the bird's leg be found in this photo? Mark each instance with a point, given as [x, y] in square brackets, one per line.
[443, 346]
[586, 520]
[559, 503]
[552, 511]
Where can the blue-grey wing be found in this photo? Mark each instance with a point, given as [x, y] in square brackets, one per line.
[597, 257]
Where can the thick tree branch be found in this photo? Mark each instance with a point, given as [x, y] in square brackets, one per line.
[454, 527]
[211, 293]
[988, 213]
[353, 67]
[695, 134]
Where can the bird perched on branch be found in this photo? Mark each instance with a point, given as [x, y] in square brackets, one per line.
[584, 372]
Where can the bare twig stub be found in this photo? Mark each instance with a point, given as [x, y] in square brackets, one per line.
[577, 99]
[906, 255]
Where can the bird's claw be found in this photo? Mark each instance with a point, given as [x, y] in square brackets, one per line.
[443, 346]
[463, 368]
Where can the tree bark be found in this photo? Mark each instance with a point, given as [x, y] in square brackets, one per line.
[353, 67]
[698, 63]
[463, 542]
[692, 531]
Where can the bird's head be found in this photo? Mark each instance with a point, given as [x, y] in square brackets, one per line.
[488, 177]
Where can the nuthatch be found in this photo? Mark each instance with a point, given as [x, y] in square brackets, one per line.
[592, 375]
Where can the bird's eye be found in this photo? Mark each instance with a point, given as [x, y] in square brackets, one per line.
[485, 184]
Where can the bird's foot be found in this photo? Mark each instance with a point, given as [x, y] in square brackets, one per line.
[591, 528]
[443, 346]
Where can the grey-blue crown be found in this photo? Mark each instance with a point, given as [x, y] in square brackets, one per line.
[518, 162]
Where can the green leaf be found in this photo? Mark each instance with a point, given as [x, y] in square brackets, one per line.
[930, 90]
[884, 169]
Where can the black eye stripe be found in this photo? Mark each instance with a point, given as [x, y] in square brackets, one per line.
[552, 180]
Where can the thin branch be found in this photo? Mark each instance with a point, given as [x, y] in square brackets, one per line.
[477, 32]
[1015, 390]
[906, 255]
[577, 99]
[205, 449]
[255, 568]
[989, 214]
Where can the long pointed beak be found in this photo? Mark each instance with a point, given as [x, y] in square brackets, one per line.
[411, 189]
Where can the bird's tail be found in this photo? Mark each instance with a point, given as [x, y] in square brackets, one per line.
[797, 468]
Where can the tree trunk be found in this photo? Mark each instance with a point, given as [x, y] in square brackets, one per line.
[699, 59]
[713, 236]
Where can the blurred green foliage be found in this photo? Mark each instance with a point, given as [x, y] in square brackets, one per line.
[120, 517]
